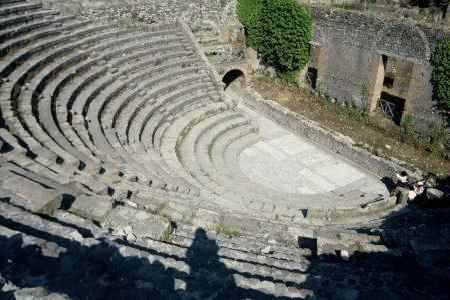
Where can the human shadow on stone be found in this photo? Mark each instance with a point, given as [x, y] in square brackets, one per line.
[210, 278]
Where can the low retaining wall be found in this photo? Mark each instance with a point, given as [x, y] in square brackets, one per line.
[331, 140]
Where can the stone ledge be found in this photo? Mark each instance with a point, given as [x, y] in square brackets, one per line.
[33, 196]
[136, 224]
[94, 208]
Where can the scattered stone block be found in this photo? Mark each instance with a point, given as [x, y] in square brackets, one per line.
[143, 225]
[94, 208]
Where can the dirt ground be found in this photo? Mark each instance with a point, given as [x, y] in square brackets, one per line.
[378, 132]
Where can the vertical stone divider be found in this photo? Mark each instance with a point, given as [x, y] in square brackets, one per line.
[375, 84]
[215, 76]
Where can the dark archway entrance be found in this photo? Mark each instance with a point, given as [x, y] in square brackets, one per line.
[234, 76]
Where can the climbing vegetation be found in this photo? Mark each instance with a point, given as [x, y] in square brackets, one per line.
[441, 73]
[280, 30]
[248, 12]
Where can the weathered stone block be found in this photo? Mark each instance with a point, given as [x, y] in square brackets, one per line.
[143, 225]
[31, 195]
[91, 207]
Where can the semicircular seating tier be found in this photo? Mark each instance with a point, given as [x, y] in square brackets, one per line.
[137, 115]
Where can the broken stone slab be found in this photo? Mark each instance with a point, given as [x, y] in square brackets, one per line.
[95, 208]
[30, 194]
[143, 224]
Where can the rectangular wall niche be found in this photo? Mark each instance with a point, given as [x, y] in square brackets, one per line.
[388, 81]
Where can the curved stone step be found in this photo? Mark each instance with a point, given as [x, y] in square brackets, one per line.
[29, 44]
[194, 156]
[19, 157]
[78, 92]
[45, 105]
[9, 2]
[178, 128]
[129, 91]
[88, 95]
[19, 75]
[35, 24]
[35, 85]
[157, 88]
[183, 85]
[106, 99]
[185, 99]
[14, 20]
[154, 116]
[19, 7]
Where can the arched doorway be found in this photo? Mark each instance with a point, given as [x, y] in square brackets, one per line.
[234, 76]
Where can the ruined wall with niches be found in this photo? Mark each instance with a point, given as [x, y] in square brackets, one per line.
[351, 45]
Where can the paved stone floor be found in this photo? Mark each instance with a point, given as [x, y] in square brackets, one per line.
[292, 164]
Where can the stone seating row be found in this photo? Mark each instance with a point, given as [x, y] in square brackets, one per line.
[18, 7]
[32, 132]
[265, 275]
[10, 2]
[126, 112]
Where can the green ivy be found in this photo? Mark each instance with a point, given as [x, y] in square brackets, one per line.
[441, 73]
[280, 30]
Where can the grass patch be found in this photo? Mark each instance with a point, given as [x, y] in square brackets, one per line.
[166, 236]
[227, 230]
